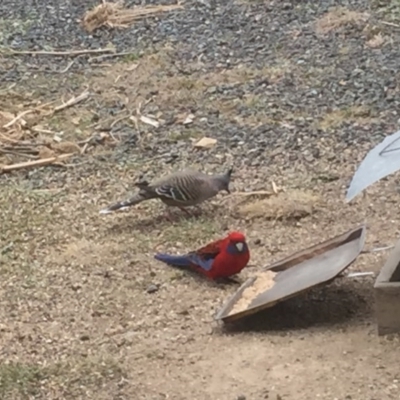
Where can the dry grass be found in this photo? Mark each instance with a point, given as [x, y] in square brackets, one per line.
[356, 114]
[337, 18]
[115, 15]
[294, 204]
[184, 87]
[20, 380]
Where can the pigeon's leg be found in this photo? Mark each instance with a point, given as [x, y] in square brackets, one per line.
[167, 214]
[198, 208]
[186, 211]
[199, 211]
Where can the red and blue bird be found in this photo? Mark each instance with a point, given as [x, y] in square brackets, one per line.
[220, 259]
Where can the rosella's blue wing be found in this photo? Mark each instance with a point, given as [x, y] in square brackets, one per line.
[186, 260]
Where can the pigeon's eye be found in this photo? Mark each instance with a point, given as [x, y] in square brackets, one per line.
[239, 246]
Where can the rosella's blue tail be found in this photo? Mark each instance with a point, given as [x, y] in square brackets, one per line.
[176, 261]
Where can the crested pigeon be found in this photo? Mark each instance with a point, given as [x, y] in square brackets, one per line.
[179, 189]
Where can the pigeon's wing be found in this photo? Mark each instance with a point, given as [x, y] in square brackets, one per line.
[381, 161]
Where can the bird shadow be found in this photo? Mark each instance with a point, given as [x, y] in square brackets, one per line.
[202, 280]
[144, 224]
[331, 305]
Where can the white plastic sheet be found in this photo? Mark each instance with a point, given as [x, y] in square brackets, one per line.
[381, 161]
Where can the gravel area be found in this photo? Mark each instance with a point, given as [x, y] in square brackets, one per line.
[319, 74]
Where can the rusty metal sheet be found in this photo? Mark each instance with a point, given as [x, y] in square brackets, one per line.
[299, 273]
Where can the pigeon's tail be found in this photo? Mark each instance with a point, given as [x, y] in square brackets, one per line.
[176, 261]
[138, 198]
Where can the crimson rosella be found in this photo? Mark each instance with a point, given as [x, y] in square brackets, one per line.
[220, 259]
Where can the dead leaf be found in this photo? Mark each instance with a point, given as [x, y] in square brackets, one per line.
[66, 147]
[188, 120]
[184, 119]
[132, 67]
[45, 152]
[376, 41]
[205, 143]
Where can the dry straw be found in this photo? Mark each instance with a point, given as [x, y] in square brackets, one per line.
[115, 15]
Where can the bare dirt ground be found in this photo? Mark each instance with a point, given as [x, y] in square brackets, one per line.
[85, 310]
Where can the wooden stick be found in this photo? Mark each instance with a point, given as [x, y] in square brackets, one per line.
[36, 163]
[73, 101]
[58, 53]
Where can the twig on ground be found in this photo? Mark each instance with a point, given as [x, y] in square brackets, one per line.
[104, 56]
[8, 139]
[255, 193]
[36, 163]
[58, 53]
[119, 119]
[17, 118]
[9, 88]
[66, 69]
[6, 248]
[39, 130]
[71, 102]
[263, 193]
[17, 153]
[359, 274]
[390, 24]
[376, 249]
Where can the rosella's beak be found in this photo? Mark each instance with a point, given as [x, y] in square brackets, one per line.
[239, 246]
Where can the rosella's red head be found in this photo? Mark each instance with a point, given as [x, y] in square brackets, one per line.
[238, 240]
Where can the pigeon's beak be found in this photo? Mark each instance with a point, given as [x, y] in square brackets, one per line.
[240, 246]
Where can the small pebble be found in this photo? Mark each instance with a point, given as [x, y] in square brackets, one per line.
[152, 288]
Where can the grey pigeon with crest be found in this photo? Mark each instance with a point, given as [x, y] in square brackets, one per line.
[180, 189]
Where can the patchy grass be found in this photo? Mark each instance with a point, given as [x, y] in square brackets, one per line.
[71, 378]
[19, 379]
[337, 18]
[184, 87]
[291, 205]
[11, 27]
[332, 120]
